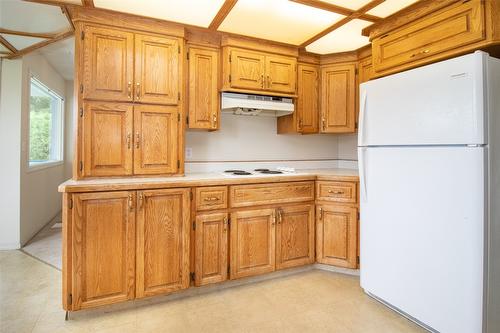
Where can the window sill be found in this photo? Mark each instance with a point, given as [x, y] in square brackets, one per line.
[33, 167]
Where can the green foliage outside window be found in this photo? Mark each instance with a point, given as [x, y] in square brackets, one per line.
[40, 128]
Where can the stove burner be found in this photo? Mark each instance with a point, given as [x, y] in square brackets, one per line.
[271, 172]
[241, 173]
[261, 170]
[233, 171]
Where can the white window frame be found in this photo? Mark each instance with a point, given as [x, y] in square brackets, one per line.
[34, 166]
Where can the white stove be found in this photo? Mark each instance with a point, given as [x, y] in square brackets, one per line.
[258, 172]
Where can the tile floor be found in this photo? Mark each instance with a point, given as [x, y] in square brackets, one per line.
[312, 301]
[47, 243]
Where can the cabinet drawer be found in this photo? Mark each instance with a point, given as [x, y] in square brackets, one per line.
[451, 28]
[336, 191]
[265, 194]
[213, 197]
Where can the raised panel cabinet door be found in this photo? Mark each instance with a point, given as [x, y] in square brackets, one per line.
[247, 70]
[157, 77]
[108, 64]
[280, 74]
[155, 139]
[252, 242]
[308, 99]
[162, 241]
[211, 246]
[203, 88]
[107, 139]
[295, 236]
[338, 98]
[103, 250]
[336, 235]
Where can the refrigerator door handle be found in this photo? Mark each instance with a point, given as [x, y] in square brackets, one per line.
[362, 111]
[362, 175]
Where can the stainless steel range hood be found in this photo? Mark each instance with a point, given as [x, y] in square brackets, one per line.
[256, 105]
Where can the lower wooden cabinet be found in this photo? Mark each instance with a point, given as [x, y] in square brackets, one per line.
[336, 235]
[103, 249]
[252, 242]
[162, 241]
[295, 236]
[211, 245]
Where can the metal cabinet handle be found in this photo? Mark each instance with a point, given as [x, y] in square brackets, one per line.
[320, 213]
[214, 120]
[138, 91]
[130, 202]
[268, 81]
[225, 224]
[300, 124]
[323, 123]
[273, 220]
[420, 53]
[128, 140]
[211, 199]
[137, 140]
[335, 192]
[280, 217]
[129, 89]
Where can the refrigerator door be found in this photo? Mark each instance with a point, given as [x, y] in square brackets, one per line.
[422, 232]
[439, 104]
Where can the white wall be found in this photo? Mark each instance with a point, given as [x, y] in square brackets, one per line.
[347, 147]
[40, 201]
[10, 145]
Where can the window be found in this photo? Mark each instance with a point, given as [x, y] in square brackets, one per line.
[45, 125]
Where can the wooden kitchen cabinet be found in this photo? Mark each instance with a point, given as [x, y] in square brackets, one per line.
[336, 235]
[155, 140]
[211, 246]
[103, 243]
[156, 69]
[338, 93]
[204, 110]
[162, 241]
[252, 250]
[259, 72]
[295, 236]
[108, 64]
[107, 139]
[305, 119]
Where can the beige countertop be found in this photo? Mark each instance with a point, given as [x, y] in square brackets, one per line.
[203, 179]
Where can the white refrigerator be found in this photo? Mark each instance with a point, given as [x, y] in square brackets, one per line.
[429, 165]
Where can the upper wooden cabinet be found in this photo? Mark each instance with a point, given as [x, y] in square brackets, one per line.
[156, 69]
[305, 119]
[203, 90]
[108, 64]
[125, 66]
[338, 93]
[103, 256]
[258, 72]
[252, 242]
[162, 241]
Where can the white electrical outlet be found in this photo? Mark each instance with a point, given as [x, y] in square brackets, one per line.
[189, 152]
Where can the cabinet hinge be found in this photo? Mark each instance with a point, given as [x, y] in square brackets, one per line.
[178, 117]
[187, 55]
[192, 276]
[81, 166]
[191, 196]
[228, 269]
[81, 112]
[359, 216]
[229, 77]
[229, 223]
[357, 260]
[178, 164]
[70, 299]
[356, 71]
[70, 204]
[179, 96]
[229, 57]
[179, 49]
[82, 35]
[187, 120]
[81, 88]
[194, 225]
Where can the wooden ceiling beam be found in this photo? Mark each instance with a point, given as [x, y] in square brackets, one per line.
[8, 45]
[48, 2]
[357, 14]
[58, 37]
[27, 34]
[337, 9]
[222, 14]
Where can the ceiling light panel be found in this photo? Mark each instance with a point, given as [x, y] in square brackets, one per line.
[346, 38]
[350, 4]
[389, 7]
[32, 17]
[278, 20]
[22, 42]
[194, 12]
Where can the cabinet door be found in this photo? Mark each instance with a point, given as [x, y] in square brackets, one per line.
[247, 70]
[295, 236]
[155, 139]
[203, 88]
[107, 139]
[336, 235]
[103, 253]
[162, 241]
[252, 242]
[156, 69]
[211, 244]
[280, 74]
[338, 98]
[108, 64]
[307, 100]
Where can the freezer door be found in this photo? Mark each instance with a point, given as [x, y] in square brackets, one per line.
[422, 224]
[439, 104]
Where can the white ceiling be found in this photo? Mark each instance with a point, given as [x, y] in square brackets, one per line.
[61, 56]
